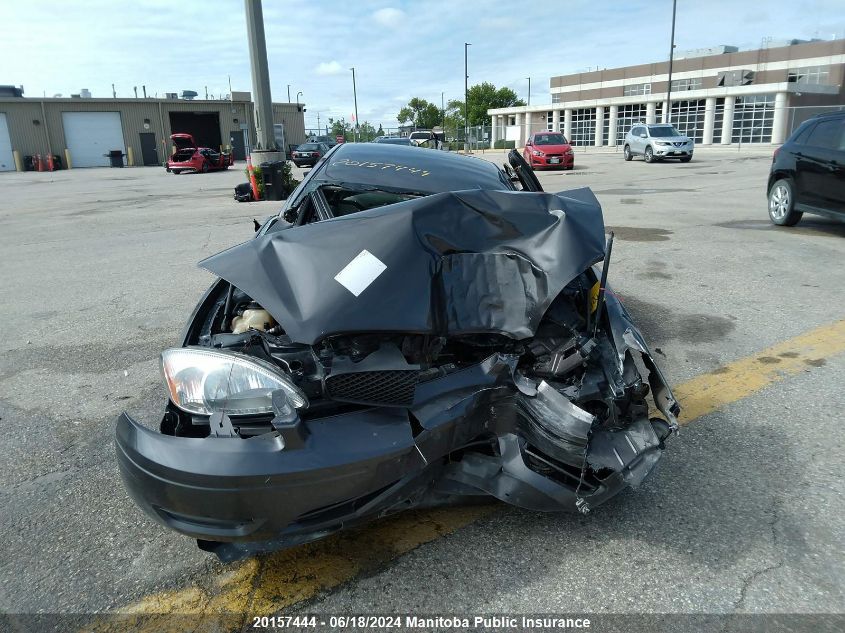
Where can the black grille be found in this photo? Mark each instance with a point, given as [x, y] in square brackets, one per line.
[389, 387]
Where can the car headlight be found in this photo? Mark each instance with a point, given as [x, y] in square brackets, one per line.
[537, 152]
[204, 381]
[660, 143]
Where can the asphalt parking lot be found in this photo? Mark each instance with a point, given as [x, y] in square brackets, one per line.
[746, 514]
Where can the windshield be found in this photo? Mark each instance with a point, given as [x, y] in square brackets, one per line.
[416, 135]
[550, 139]
[663, 130]
[395, 141]
[308, 147]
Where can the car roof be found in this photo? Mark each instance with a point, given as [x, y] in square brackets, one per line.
[409, 168]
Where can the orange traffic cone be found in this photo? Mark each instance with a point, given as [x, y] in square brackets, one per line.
[50, 165]
[256, 194]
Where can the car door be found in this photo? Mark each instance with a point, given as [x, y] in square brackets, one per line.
[636, 143]
[820, 166]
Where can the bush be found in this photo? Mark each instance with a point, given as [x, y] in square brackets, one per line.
[503, 144]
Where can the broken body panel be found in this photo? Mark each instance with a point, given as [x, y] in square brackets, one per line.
[451, 346]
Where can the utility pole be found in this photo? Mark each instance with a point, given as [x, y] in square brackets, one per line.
[113, 92]
[355, 96]
[288, 93]
[667, 116]
[466, 98]
[443, 112]
[265, 138]
[529, 90]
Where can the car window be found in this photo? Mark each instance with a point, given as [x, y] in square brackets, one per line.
[549, 139]
[802, 135]
[308, 147]
[637, 131]
[827, 134]
[660, 131]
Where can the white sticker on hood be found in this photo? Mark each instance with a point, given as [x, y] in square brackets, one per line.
[358, 274]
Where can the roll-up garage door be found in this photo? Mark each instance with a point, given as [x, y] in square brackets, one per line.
[90, 136]
[7, 162]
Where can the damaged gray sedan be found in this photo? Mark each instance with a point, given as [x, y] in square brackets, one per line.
[413, 329]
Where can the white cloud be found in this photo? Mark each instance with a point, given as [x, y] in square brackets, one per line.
[389, 16]
[328, 68]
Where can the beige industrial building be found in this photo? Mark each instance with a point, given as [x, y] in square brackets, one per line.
[90, 128]
[719, 96]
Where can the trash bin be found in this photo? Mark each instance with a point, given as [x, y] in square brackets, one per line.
[274, 184]
[29, 163]
[116, 157]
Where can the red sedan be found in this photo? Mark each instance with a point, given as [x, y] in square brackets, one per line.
[548, 150]
[189, 157]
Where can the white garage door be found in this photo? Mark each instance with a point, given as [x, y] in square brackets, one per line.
[92, 135]
[7, 163]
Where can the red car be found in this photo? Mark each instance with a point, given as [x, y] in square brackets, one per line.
[548, 150]
[189, 157]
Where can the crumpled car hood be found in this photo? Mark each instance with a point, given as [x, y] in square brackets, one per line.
[447, 264]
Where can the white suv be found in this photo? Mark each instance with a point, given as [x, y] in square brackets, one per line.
[656, 141]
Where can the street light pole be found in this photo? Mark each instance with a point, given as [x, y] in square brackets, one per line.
[266, 139]
[529, 90]
[288, 93]
[667, 116]
[297, 100]
[466, 98]
[355, 96]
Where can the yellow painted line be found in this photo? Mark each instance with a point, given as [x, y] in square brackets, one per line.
[265, 585]
[746, 376]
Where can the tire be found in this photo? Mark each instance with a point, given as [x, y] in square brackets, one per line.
[648, 155]
[176, 171]
[205, 167]
[627, 153]
[782, 204]
[686, 159]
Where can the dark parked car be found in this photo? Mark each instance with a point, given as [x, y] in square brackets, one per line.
[808, 172]
[309, 154]
[411, 329]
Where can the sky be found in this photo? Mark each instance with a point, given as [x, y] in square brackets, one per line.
[400, 49]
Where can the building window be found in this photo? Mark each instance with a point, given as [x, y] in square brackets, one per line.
[679, 85]
[636, 89]
[718, 119]
[605, 127]
[811, 75]
[753, 118]
[688, 118]
[626, 117]
[550, 121]
[583, 126]
[556, 98]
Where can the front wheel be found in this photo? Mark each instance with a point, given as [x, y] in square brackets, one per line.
[648, 156]
[627, 153]
[205, 167]
[782, 204]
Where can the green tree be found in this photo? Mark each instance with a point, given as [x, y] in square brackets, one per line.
[340, 127]
[366, 132]
[420, 113]
[483, 97]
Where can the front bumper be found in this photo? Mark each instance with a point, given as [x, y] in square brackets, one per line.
[229, 489]
[670, 151]
[567, 161]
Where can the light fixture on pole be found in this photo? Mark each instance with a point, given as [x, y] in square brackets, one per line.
[355, 97]
[667, 116]
[466, 98]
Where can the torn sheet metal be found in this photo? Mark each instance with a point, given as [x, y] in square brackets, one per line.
[453, 263]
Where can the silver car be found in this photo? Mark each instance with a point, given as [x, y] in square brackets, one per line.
[656, 141]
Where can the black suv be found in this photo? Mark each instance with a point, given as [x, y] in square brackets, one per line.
[808, 172]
